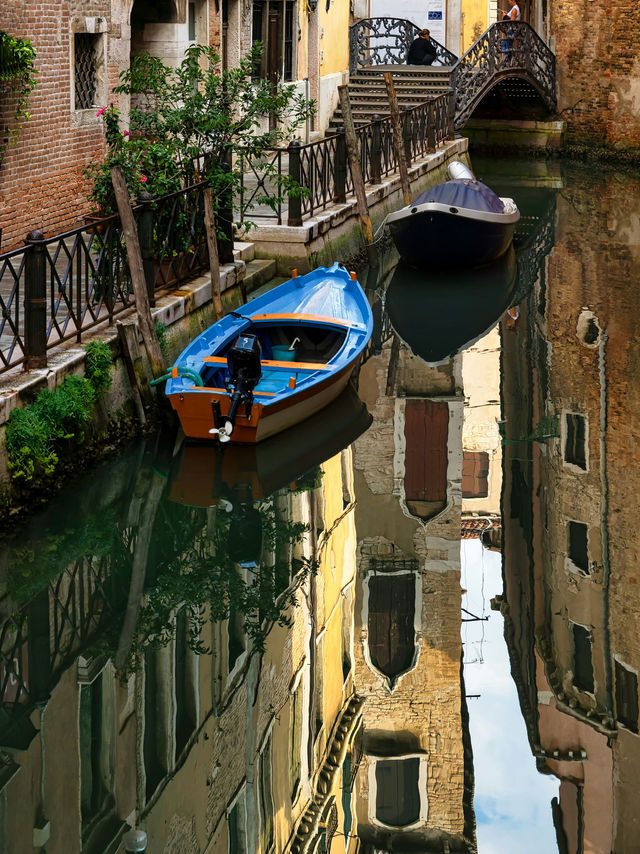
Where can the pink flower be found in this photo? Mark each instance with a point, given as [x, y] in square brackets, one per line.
[143, 179]
[100, 112]
[125, 133]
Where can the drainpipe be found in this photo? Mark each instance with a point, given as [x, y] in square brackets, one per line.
[461, 33]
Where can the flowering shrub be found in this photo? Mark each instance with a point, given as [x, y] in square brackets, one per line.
[187, 123]
[147, 165]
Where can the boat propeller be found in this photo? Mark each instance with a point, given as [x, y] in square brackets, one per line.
[223, 433]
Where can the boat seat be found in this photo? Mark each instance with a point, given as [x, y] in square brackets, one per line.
[273, 363]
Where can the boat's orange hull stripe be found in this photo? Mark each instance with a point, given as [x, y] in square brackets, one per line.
[224, 391]
[271, 363]
[314, 318]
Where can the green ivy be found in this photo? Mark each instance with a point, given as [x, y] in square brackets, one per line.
[35, 433]
[161, 335]
[17, 67]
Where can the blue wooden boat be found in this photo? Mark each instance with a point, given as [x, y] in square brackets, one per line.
[275, 361]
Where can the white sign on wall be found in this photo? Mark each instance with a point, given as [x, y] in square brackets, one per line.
[429, 14]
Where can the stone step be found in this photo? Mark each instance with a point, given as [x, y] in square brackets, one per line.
[243, 251]
[259, 271]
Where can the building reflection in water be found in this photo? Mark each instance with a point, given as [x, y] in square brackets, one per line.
[570, 400]
[414, 787]
[252, 746]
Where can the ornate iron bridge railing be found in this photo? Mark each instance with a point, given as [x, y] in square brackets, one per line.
[506, 49]
[385, 41]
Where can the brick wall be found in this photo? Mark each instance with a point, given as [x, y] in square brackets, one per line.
[597, 45]
[41, 181]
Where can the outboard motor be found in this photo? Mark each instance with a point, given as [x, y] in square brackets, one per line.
[243, 361]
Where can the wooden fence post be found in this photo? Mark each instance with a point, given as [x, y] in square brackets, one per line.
[35, 302]
[398, 142]
[136, 270]
[356, 172]
[294, 217]
[145, 236]
[340, 169]
[376, 150]
[225, 216]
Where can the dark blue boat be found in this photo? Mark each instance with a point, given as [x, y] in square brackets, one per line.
[459, 223]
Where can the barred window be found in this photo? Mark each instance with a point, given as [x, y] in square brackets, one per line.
[86, 55]
[626, 696]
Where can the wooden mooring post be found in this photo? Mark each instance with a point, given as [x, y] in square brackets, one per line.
[356, 173]
[212, 245]
[398, 141]
[136, 270]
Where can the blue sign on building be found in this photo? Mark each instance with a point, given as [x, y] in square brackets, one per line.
[435, 16]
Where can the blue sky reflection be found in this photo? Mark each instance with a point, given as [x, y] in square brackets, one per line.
[512, 800]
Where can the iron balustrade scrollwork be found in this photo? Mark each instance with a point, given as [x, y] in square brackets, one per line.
[506, 49]
[386, 41]
[180, 240]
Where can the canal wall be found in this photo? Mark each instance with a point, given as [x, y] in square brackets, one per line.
[187, 311]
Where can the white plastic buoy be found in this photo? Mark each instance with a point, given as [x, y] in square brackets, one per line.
[458, 170]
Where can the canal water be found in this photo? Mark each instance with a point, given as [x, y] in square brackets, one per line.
[411, 624]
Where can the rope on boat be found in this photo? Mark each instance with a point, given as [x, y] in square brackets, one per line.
[176, 371]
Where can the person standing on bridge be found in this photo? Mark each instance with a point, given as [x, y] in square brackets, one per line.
[422, 51]
[507, 41]
[513, 14]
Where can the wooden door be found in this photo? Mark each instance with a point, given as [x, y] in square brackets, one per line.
[426, 429]
[391, 634]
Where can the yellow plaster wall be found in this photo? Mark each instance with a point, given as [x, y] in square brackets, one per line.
[475, 20]
[334, 42]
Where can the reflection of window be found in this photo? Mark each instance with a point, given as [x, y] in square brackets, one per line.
[154, 725]
[295, 739]
[582, 663]
[398, 791]
[319, 687]
[237, 818]
[391, 631]
[578, 550]
[347, 813]
[574, 442]
[235, 629]
[266, 798]
[346, 634]
[94, 750]
[186, 718]
[475, 471]
[626, 697]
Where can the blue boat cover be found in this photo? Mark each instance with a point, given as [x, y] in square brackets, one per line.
[463, 193]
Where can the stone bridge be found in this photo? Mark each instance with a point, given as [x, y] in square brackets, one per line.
[509, 64]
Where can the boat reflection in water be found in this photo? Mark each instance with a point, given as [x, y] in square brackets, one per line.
[440, 313]
[207, 475]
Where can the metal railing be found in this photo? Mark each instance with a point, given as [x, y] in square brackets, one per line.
[506, 49]
[322, 170]
[57, 289]
[386, 41]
